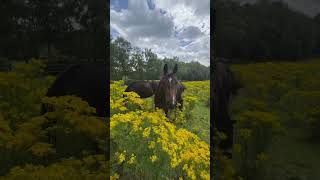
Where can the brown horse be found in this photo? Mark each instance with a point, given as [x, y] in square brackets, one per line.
[142, 88]
[168, 93]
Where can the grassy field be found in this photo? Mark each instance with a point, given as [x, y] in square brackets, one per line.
[200, 123]
[147, 145]
[290, 92]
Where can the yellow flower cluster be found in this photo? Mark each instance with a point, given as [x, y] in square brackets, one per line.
[198, 89]
[185, 151]
[153, 158]
[182, 146]
[121, 102]
[132, 159]
[121, 157]
[114, 177]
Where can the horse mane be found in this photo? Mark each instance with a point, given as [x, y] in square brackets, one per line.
[159, 95]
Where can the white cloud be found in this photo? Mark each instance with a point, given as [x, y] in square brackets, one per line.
[190, 32]
[183, 30]
[188, 13]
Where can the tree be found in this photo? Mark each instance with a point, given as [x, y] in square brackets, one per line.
[152, 64]
[138, 63]
[120, 52]
[262, 31]
[127, 60]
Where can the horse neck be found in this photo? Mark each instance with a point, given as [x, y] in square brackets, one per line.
[159, 91]
[154, 86]
[160, 95]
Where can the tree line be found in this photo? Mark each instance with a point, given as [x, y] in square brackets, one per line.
[73, 28]
[128, 61]
[266, 30]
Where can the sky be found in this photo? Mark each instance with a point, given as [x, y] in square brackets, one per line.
[169, 27]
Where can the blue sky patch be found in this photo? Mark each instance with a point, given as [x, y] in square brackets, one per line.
[118, 5]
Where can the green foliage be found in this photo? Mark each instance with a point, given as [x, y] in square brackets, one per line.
[89, 167]
[22, 89]
[277, 108]
[255, 132]
[53, 23]
[313, 123]
[302, 107]
[65, 142]
[264, 30]
[223, 167]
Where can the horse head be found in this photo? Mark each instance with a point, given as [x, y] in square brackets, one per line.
[166, 96]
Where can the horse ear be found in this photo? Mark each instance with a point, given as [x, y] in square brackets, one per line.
[175, 69]
[165, 69]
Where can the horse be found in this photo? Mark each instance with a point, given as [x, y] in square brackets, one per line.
[142, 88]
[181, 89]
[224, 86]
[168, 93]
[87, 81]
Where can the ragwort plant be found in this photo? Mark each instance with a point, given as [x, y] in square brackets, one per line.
[146, 145]
[25, 147]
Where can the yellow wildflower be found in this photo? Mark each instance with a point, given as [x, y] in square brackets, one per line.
[132, 159]
[153, 158]
[205, 175]
[151, 145]
[121, 158]
[114, 177]
[146, 132]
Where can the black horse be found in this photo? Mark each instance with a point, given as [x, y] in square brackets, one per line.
[143, 88]
[87, 81]
[169, 91]
[224, 85]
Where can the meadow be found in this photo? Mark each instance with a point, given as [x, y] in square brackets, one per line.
[144, 143]
[276, 135]
[26, 151]
[147, 145]
[278, 120]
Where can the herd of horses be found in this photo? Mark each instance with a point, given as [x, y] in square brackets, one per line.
[89, 83]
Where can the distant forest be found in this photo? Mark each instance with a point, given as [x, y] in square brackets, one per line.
[143, 64]
[266, 30]
[54, 28]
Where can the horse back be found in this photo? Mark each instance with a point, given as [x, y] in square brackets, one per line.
[89, 82]
[142, 88]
